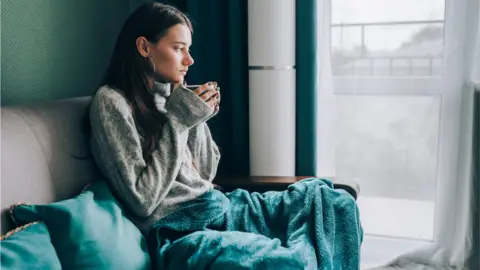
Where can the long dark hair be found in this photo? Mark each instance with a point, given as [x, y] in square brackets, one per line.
[132, 75]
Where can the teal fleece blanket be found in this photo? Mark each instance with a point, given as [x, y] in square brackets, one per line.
[308, 226]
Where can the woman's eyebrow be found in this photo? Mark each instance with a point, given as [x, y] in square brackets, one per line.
[181, 42]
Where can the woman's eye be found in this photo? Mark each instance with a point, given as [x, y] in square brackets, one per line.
[178, 49]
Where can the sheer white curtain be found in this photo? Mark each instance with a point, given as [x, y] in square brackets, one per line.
[452, 243]
[325, 95]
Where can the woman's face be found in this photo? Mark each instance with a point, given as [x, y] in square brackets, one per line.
[171, 54]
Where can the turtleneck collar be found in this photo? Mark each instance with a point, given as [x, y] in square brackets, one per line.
[161, 91]
[161, 88]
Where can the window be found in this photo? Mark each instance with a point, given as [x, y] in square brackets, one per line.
[387, 38]
[392, 104]
[390, 145]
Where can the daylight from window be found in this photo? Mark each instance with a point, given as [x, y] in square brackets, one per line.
[389, 143]
[387, 38]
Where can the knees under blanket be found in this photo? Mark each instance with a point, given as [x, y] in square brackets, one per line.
[308, 226]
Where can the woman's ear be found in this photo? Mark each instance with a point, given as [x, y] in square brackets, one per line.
[142, 46]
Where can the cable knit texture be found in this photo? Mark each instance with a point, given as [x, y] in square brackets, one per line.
[181, 167]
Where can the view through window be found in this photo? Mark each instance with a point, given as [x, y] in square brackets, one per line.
[387, 38]
[388, 141]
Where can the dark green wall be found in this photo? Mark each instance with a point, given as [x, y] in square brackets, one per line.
[55, 49]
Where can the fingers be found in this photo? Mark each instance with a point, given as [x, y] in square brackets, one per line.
[215, 102]
[209, 94]
[211, 97]
[212, 103]
[202, 89]
[216, 99]
[218, 95]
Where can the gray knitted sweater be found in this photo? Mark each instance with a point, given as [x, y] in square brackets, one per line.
[182, 166]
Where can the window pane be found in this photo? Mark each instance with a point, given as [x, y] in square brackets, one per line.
[389, 144]
[387, 38]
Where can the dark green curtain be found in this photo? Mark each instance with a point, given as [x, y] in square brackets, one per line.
[475, 261]
[306, 85]
[220, 51]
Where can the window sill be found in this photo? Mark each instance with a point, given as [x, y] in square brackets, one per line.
[399, 218]
[379, 251]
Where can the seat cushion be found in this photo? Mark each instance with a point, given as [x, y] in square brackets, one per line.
[28, 247]
[90, 231]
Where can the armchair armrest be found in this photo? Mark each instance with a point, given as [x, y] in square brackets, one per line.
[278, 183]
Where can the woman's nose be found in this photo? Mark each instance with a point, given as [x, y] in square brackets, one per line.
[188, 60]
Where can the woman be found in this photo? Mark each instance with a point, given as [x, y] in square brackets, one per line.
[150, 139]
[155, 154]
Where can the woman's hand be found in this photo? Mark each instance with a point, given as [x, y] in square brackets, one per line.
[208, 93]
